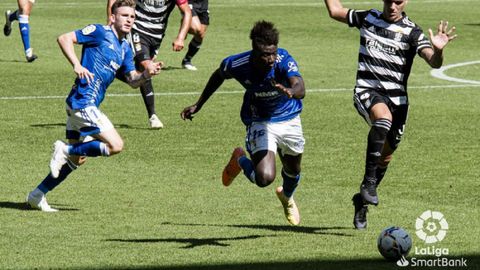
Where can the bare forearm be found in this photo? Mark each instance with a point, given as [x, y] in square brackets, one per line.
[434, 57]
[109, 9]
[436, 60]
[135, 78]
[298, 89]
[66, 42]
[336, 10]
[186, 21]
[215, 81]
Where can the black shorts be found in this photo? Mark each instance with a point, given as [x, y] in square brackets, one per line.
[145, 47]
[200, 8]
[364, 101]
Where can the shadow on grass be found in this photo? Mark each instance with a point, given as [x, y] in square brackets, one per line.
[12, 61]
[54, 125]
[276, 228]
[314, 264]
[167, 68]
[191, 242]
[25, 207]
[117, 126]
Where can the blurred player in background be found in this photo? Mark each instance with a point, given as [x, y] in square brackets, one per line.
[198, 28]
[22, 14]
[105, 53]
[389, 41]
[271, 112]
[146, 37]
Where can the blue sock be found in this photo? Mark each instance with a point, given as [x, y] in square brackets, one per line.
[90, 149]
[290, 183]
[13, 16]
[49, 183]
[247, 167]
[25, 32]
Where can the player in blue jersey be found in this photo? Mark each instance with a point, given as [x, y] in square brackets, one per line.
[271, 112]
[22, 14]
[89, 132]
[389, 41]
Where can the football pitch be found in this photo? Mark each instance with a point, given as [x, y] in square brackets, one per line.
[160, 204]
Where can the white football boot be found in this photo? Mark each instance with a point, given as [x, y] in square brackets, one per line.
[37, 200]
[59, 158]
[155, 122]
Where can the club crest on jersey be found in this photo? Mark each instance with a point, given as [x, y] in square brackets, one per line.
[398, 37]
[89, 29]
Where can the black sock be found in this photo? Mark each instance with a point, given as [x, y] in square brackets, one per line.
[193, 48]
[380, 173]
[376, 140]
[148, 97]
[13, 16]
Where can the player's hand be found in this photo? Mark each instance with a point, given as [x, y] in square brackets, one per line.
[153, 68]
[83, 73]
[188, 112]
[443, 36]
[177, 44]
[282, 89]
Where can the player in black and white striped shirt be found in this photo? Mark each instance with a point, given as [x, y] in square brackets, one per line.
[147, 34]
[389, 41]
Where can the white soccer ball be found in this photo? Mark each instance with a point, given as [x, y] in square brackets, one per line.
[393, 243]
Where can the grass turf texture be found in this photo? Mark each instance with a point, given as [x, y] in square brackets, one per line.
[160, 203]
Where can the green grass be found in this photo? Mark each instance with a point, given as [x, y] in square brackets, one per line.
[160, 203]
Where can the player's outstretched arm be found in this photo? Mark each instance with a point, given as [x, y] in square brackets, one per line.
[109, 10]
[66, 42]
[297, 89]
[215, 81]
[178, 43]
[136, 78]
[434, 57]
[337, 11]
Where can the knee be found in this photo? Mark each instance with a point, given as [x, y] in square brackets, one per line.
[264, 179]
[115, 147]
[78, 160]
[199, 36]
[385, 160]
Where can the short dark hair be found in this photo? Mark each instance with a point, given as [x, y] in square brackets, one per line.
[264, 33]
[122, 3]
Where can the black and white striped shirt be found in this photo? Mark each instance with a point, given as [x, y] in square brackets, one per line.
[152, 16]
[386, 52]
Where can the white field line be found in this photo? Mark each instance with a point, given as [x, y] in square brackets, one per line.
[322, 90]
[440, 73]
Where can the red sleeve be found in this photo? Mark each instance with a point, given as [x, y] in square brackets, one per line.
[181, 2]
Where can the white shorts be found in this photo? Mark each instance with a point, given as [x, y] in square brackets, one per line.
[84, 122]
[286, 136]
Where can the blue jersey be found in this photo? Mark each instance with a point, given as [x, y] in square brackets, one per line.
[262, 101]
[103, 55]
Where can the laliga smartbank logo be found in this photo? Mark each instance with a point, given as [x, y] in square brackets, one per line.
[431, 227]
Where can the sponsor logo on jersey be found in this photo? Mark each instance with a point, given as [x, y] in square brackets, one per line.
[114, 65]
[292, 67]
[266, 94]
[155, 3]
[374, 45]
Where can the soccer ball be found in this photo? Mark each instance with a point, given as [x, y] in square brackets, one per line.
[393, 243]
